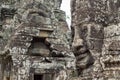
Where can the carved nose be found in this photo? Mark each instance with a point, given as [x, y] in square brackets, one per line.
[77, 43]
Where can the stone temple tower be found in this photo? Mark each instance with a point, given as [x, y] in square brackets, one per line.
[96, 39]
[34, 41]
[36, 44]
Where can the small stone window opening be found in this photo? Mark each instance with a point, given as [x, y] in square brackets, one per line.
[43, 76]
[38, 77]
[7, 13]
[7, 78]
[39, 47]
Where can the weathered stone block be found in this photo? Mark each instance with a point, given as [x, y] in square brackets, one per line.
[114, 46]
[112, 31]
[60, 15]
[45, 32]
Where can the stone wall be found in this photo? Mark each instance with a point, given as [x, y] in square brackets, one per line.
[95, 25]
[36, 39]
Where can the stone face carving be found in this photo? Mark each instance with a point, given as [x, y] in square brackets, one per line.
[35, 42]
[95, 25]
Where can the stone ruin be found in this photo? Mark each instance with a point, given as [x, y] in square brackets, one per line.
[36, 44]
[34, 41]
[96, 39]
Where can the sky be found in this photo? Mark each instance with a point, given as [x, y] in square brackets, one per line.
[66, 7]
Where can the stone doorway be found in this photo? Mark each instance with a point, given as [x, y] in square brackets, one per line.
[38, 77]
[43, 77]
